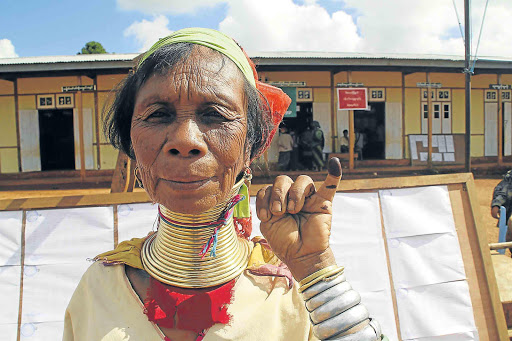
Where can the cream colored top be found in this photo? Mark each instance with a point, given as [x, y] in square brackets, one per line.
[105, 307]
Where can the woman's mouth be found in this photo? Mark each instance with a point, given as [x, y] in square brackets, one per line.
[186, 185]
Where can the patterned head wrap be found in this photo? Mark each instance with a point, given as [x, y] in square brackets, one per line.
[278, 101]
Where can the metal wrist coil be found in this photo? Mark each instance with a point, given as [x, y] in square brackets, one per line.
[335, 308]
[370, 333]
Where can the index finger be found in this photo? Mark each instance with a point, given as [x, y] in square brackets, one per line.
[330, 185]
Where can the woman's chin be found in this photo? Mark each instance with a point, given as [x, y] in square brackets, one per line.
[185, 207]
[188, 203]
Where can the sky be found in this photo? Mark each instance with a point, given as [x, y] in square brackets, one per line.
[62, 27]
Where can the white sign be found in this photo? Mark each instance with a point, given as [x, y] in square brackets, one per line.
[78, 88]
[428, 85]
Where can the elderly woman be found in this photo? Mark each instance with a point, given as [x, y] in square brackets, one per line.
[194, 115]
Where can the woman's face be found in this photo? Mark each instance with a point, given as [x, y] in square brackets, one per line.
[189, 130]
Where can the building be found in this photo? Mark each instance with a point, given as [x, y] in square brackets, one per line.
[51, 121]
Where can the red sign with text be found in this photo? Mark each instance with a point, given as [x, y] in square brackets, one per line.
[352, 99]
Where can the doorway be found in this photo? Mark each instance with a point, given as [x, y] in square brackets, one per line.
[371, 124]
[56, 140]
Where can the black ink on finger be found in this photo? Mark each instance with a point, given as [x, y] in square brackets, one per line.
[334, 167]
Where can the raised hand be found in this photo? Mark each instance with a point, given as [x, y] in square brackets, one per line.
[296, 220]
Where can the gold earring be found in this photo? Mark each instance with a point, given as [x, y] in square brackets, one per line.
[137, 177]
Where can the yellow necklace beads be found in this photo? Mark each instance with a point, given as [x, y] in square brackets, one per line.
[173, 254]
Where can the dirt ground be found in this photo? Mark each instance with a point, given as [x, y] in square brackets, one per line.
[484, 189]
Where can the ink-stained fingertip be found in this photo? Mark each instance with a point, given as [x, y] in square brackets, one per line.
[334, 167]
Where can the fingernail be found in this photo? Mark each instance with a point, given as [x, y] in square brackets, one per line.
[291, 205]
[264, 213]
[276, 206]
[334, 166]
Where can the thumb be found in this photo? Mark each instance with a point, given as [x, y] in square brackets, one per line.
[330, 185]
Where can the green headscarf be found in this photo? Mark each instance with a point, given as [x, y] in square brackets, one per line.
[210, 38]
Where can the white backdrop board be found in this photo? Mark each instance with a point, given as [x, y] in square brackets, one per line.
[411, 246]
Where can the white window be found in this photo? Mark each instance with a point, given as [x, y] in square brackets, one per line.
[441, 118]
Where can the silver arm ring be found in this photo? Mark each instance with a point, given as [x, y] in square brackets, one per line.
[341, 323]
[335, 306]
[321, 286]
[327, 295]
[366, 334]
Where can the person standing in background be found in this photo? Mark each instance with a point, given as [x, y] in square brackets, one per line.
[318, 146]
[344, 142]
[359, 143]
[502, 196]
[294, 161]
[285, 143]
[306, 142]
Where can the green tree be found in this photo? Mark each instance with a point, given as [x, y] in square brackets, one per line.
[92, 47]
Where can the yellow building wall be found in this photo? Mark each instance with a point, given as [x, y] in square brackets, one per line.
[407, 149]
[394, 95]
[44, 85]
[483, 81]
[27, 102]
[412, 79]
[108, 156]
[103, 98]
[458, 111]
[412, 112]
[9, 160]
[448, 80]
[369, 78]
[477, 145]
[108, 82]
[321, 95]
[341, 77]
[317, 78]
[6, 87]
[8, 122]
[506, 79]
[87, 80]
[477, 112]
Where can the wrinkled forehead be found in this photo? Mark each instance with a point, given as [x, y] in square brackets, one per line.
[203, 76]
[204, 70]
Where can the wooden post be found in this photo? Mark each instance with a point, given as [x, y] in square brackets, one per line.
[500, 125]
[81, 148]
[22, 274]
[17, 115]
[429, 132]
[123, 179]
[98, 122]
[351, 135]
[467, 80]
[404, 137]
[334, 115]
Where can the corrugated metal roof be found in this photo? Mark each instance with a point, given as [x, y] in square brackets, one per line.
[296, 58]
[351, 55]
[81, 58]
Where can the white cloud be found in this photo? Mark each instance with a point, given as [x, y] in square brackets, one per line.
[283, 25]
[146, 32]
[7, 49]
[404, 26]
[166, 6]
[392, 26]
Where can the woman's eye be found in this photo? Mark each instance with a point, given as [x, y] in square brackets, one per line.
[158, 115]
[212, 115]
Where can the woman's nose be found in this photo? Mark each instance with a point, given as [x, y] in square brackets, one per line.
[186, 140]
